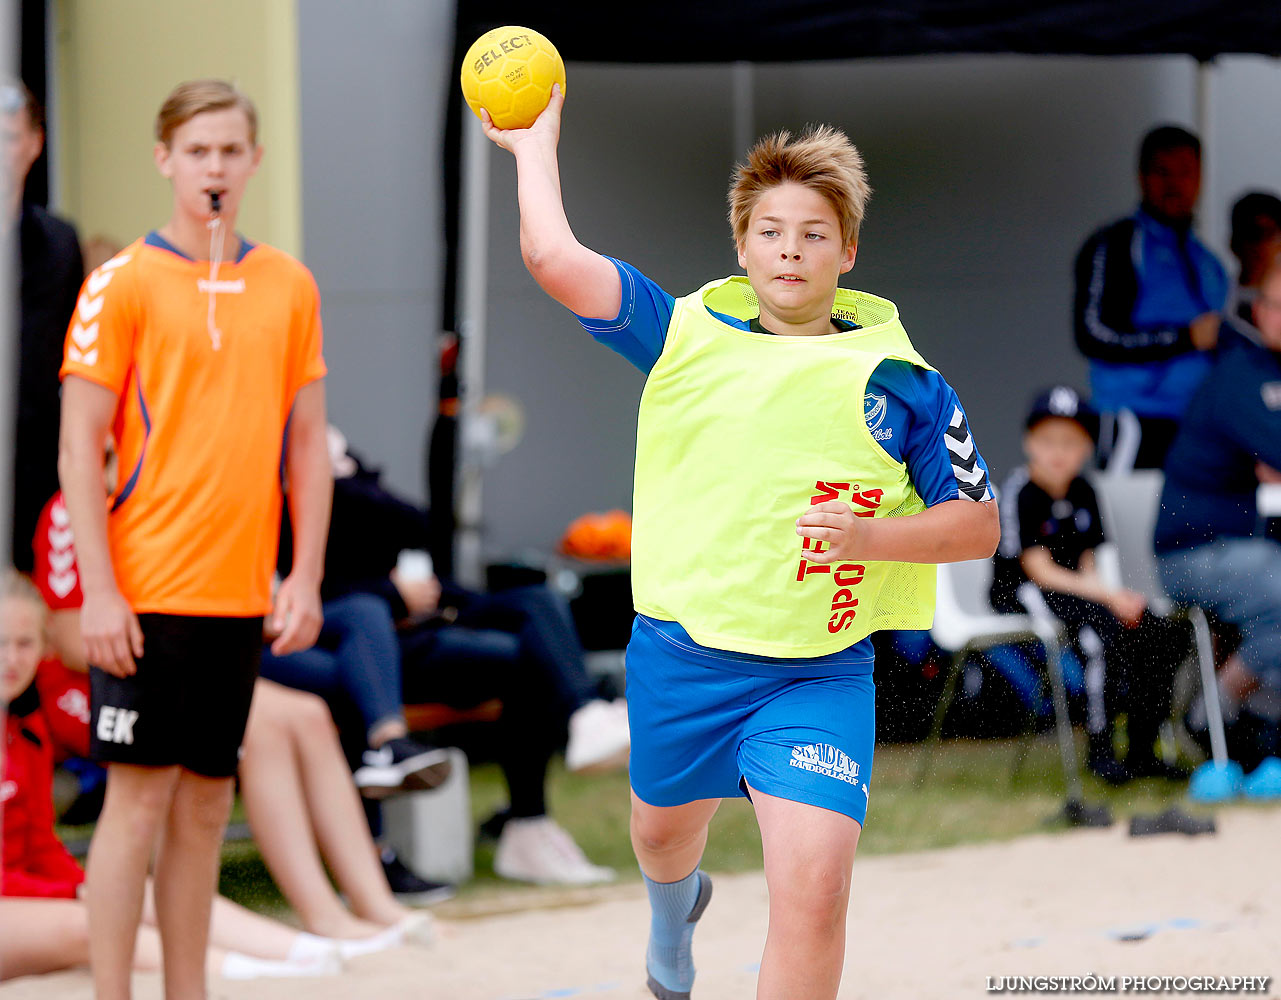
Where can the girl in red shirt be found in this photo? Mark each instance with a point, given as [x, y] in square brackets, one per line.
[43, 920]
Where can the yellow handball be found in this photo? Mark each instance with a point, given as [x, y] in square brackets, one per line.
[509, 72]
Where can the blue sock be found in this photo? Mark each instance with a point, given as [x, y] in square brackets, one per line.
[674, 909]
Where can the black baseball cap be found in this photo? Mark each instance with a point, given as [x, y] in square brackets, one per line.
[1064, 401]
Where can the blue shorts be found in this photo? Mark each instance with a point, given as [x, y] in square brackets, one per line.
[700, 732]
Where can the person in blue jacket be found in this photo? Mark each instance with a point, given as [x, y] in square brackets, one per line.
[1211, 540]
[1148, 299]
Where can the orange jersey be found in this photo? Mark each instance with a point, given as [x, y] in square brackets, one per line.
[202, 419]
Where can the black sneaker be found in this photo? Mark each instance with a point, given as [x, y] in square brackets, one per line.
[408, 887]
[400, 765]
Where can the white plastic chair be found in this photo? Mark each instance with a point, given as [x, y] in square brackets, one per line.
[964, 623]
[1128, 504]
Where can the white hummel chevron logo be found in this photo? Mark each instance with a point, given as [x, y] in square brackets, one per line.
[88, 308]
[98, 282]
[60, 538]
[85, 336]
[83, 348]
[59, 516]
[61, 561]
[62, 584]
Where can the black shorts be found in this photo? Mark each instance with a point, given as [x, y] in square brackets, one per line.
[189, 701]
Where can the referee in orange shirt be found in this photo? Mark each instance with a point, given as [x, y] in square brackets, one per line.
[199, 354]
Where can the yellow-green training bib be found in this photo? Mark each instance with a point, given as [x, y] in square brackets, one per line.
[739, 434]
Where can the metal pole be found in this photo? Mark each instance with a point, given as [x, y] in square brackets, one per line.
[1211, 218]
[9, 311]
[473, 307]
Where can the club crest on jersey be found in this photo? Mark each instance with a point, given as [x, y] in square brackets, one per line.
[874, 408]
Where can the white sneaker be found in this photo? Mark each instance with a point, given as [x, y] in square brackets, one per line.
[537, 849]
[599, 739]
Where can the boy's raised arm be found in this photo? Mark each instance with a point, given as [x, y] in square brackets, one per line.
[577, 277]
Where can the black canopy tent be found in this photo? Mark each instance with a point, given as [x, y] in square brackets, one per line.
[791, 30]
[737, 31]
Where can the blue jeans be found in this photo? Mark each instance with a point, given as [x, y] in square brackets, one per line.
[517, 645]
[356, 659]
[1239, 580]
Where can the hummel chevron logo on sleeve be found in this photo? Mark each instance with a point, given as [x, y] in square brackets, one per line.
[84, 335]
[970, 477]
[62, 553]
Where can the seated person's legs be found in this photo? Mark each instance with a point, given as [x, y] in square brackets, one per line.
[39, 936]
[1098, 634]
[1151, 653]
[300, 803]
[543, 621]
[1237, 580]
[357, 658]
[596, 730]
[464, 667]
[42, 935]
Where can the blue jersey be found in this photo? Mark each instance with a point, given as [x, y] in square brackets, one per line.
[913, 413]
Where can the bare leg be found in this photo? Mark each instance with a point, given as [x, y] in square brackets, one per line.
[187, 880]
[233, 928]
[137, 803]
[271, 787]
[809, 852]
[38, 936]
[668, 841]
[42, 935]
[339, 823]
[147, 955]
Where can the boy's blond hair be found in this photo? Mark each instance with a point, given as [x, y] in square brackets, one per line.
[198, 96]
[822, 159]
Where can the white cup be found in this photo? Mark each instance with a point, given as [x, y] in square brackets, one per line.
[413, 564]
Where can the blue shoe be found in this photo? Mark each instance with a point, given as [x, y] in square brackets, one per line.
[1212, 782]
[1264, 782]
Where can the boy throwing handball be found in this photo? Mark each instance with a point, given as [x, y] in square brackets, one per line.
[198, 352]
[799, 467]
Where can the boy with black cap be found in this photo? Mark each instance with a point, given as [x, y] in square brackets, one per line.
[1050, 528]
